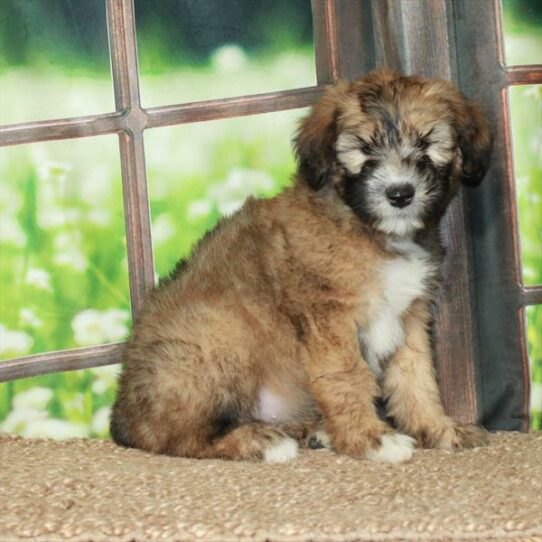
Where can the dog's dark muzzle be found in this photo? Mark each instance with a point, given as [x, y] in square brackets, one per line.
[400, 195]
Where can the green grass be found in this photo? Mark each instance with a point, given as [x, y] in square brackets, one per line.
[63, 269]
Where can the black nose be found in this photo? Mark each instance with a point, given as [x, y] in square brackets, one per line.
[400, 195]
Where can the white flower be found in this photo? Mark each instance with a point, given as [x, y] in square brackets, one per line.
[34, 398]
[100, 217]
[17, 419]
[529, 272]
[230, 194]
[536, 396]
[522, 182]
[162, 228]
[53, 428]
[11, 231]
[68, 251]
[106, 371]
[53, 170]
[249, 181]
[97, 186]
[14, 342]
[228, 207]
[75, 403]
[199, 209]
[39, 278]
[73, 259]
[71, 216]
[106, 377]
[100, 421]
[91, 326]
[536, 144]
[50, 216]
[10, 199]
[99, 386]
[531, 91]
[54, 190]
[292, 66]
[28, 318]
[229, 59]
[30, 419]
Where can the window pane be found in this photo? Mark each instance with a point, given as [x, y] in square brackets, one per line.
[54, 60]
[526, 110]
[522, 25]
[63, 271]
[62, 405]
[534, 341]
[198, 172]
[193, 51]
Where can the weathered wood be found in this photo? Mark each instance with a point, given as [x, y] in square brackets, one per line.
[54, 362]
[28, 132]
[153, 117]
[496, 261]
[530, 295]
[524, 75]
[232, 107]
[325, 37]
[122, 43]
[343, 39]
[387, 34]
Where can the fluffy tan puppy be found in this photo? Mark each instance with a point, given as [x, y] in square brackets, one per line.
[299, 312]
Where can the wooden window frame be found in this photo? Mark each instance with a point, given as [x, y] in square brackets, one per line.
[477, 321]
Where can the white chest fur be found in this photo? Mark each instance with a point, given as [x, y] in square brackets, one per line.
[404, 279]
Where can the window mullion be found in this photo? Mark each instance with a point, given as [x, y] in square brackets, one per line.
[122, 39]
[502, 360]
[530, 295]
[524, 75]
[344, 41]
[64, 360]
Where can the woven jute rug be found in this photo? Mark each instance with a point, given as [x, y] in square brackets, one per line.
[93, 490]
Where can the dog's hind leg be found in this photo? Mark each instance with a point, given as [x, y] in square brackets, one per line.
[253, 440]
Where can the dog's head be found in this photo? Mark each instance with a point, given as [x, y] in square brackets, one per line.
[394, 148]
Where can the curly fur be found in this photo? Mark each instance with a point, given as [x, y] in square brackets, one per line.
[298, 312]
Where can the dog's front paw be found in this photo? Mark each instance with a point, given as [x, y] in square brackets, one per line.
[393, 448]
[461, 436]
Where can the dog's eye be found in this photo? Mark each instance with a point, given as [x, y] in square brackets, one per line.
[424, 164]
[368, 167]
[366, 149]
[425, 160]
[423, 143]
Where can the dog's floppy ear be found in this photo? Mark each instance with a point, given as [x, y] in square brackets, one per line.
[314, 143]
[474, 139]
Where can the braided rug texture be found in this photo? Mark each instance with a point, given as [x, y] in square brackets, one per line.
[91, 490]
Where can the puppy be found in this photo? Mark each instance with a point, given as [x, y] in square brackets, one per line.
[297, 313]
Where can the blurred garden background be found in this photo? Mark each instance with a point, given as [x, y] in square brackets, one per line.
[63, 268]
